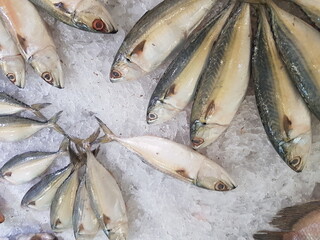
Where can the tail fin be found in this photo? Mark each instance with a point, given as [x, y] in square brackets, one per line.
[109, 135]
[53, 123]
[35, 108]
[64, 146]
[85, 143]
[266, 235]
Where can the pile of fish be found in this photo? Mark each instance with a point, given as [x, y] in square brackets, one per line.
[212, 68]
[30, 41]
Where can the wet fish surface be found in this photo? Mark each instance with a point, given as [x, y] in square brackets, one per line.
[312, 8]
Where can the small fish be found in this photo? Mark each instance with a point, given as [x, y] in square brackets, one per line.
[299, 222]
[27, 166]
[175, 159]
[87, 15]
[312, 8]
[40, 196]
[38, 236]
[13, 128]
[224, 81]
[177, 86]
[156, 35]
[106, 199]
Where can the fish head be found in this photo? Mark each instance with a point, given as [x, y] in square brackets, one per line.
[14, 69]
[160, 111]
[93, 17]
[119, 233]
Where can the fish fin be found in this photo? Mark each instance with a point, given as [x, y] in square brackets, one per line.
[53, 122]
[64, 146]
[35, 108]
[267, 235]
[85, 143]
[210, 109]
[109, 135]
[139, 48]
[287, 125]
[287, 217]
[96, 151]
[171, 91]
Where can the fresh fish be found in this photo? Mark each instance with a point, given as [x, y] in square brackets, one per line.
[11, 61]
[38, 236]
[63, 202]
[27, 166]
[85, 222]
[312, 8]
[88, 15]
[40, 196]
[177, 86]
[13, 128]
[2, 218]
[176, 160]
[297, 42]
[106, 199]
[300, 222]
[156, 35]
[33, 39]
[224, 82]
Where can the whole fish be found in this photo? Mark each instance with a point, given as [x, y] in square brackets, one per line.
[27, 166]
[11, 61]
[177, 86]
[40, 196]
[13, 128]
[156, 35]
[88, 15]
[33, 39]
[85, 222]
[37, 236]
[297, 43]
[224, 81]
[299, 222]
[175, 159]
[312, 8]
[106, 199]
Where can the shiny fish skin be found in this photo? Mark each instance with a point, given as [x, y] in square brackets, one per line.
[298, 44]
[312, 8]
[106, 199]
[40, 196]
[11, 61]
[87, 15]
[156, 35]
[279, 102]
[33, 39]
[224, 82]
[177, 86]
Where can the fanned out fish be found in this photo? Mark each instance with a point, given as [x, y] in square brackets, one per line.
[156, 35]
[85, 222]
[40, 196]
[27, 166]
[283, 112]
[37, 236]
[298, 44]
[106, 199]
[299, 222]
[88, 15]
[175, 159]
[33, 39]
[311, 8]
[13, 128]
[224, 81]
[11, 61]
[176, 88]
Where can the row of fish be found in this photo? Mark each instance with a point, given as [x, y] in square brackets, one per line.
[30, 41]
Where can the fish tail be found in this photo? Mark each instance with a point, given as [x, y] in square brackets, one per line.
[64, 146]
[267, 235]
[109, 135]
[86, 143]
[35, 108]
[53, 122]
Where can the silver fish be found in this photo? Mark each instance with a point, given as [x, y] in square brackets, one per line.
[27, 166]
[177, 86]
[87, 15]
[312, 8]
[40, 196]
[224, 81]
[38, 236]
[156, 35]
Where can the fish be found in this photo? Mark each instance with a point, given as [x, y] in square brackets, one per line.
[87, 15]
[224, 81]
[156, 36]
[62, 204]
[297, 43]
[299, 222]
[174, 159]
[32, 39]
[11, 61]
[85, 222]
[40, 196]
[25, 167]
[14, 128]
[106, 199]
[177, 86]
[37, 236]
[311, 8]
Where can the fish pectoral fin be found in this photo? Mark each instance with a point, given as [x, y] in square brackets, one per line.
[210, 109]
[287, 125]
[139, 48]
[171, 91]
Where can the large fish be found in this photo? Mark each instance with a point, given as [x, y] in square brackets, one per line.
[156, 35]
[300, 222]
[176, 88]
[88, 15]
[176, 160]
[33, 39]
[298, 42]
[312, 8]
[224, 81]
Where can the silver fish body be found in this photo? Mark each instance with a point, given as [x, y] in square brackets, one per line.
[312, 8]
[156, 35]
[224, 81]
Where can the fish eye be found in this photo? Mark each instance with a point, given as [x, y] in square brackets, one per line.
[152, 116]
[115, 74]
[295, 161]
[47, 77]
[220, 186]
[11, 77]
[197, 141]
[98, 25]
